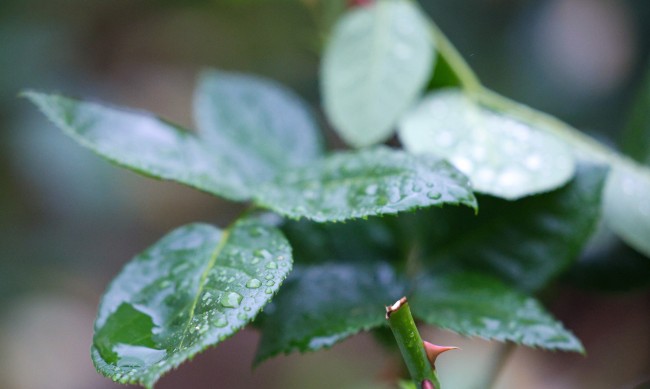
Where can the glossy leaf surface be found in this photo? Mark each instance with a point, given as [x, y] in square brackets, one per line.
[525, 243]
[143, 143]
[257, 124]
[323, 304]
[378, 60]
[626, 205]
[368, 182]
[192, 289]
[501, 156]
[476, 305]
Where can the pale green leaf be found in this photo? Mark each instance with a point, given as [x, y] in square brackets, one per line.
[257, 124]
[368, 182]
[502, 156]
[626, 205]
[323, 304]
[476, 305]
[192, 289]
[378, 60]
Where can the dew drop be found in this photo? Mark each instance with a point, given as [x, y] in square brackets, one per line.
[268, 291]
[231, 300]
[242, 316]
[434, 195]
[371, 189]
[268, 277]
[270, 283]
[253, 283]
[271, 265]
[221, 322]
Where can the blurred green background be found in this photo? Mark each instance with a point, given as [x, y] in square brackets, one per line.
[69, 221]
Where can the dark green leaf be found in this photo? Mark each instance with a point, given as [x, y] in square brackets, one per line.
[192, 289]
[378, 60]
[369, 182]
[613, 268]
[257, 124]
[476, 305]
[321, 305]
[502, 156]
[525, 243]
[636, 139]
[144, 143]
[374, 239]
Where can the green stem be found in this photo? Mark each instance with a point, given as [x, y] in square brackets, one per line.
[410, 344]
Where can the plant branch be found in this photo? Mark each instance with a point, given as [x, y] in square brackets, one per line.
[411, 345]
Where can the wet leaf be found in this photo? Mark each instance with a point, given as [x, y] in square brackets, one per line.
[323, 304]
[525, 243]
[369, 182]
[501, 156]
[255, 123]
[477, 305]
[378, 60]
[192, 289]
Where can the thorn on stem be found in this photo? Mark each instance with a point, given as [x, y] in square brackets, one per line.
[433, 351]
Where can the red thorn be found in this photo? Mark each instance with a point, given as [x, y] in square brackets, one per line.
[433, 351]
[426, 384]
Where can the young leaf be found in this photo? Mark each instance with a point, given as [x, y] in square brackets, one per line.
[192, 289]
[626, 205]
[368, 182]
[501, 156]
[261, 126]
[323, 304]
[145, 144]
[378, 60]
[476, 305]
[525, 243]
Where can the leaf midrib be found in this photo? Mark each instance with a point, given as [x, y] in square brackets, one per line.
[225, 236]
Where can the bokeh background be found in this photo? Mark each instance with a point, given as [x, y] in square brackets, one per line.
[69, 221]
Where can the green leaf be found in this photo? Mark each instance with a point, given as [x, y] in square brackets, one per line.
[375, 239]
[252, 130]
[259, 125]
[502, 156]
[636, 138]
[368, 182]
[321, 305]
[525, 243]
[476, 305]
[612, 267]
[143, 143]
[626, 205]
[378, 60]
[192, 289]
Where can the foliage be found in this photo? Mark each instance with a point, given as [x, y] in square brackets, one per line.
[541, 190]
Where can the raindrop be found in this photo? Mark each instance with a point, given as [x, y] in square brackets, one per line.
[253, 283]
[271, 265]
[221, 322]
[231, 300]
